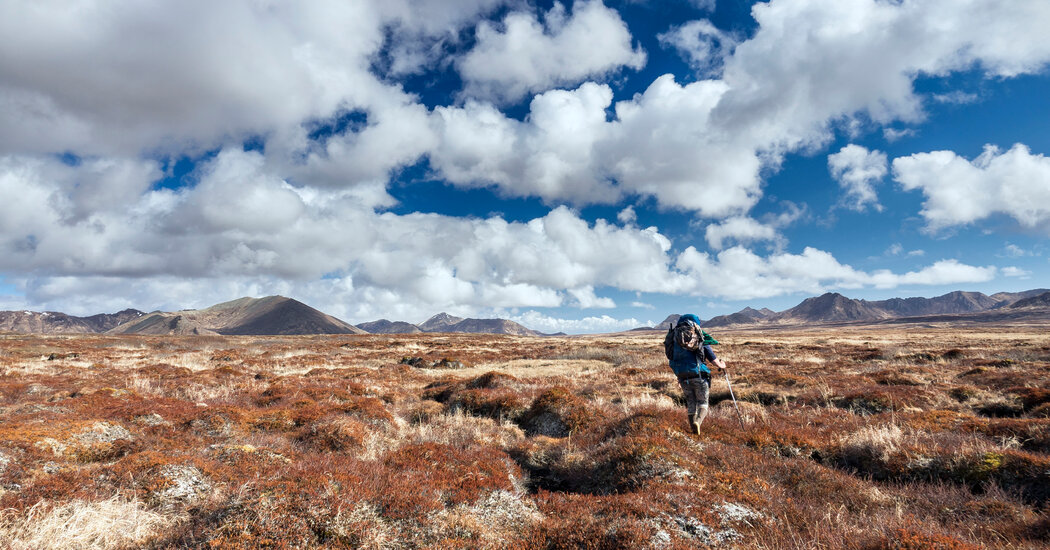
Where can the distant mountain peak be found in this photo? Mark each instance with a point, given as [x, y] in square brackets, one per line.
[55, 322]
[669, 322]
[1039, 300]
[443, 322]
[831, 306]
[247, 315]
[384, 326]
[440, 322]
[444, 318]
[836, 308]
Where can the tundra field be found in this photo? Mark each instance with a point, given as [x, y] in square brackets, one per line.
[855, 437]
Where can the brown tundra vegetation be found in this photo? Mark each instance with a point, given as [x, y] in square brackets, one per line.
[855, 437]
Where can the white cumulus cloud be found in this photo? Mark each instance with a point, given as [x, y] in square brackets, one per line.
[243, 223]
[858, 170]
[126, 87]
[959, 192]
[527, 55]
[551, 156]
[810, 65]
[703, 45]
[739, 229]
[604, 323]
[738, 273]
[585, 298]
[163, 248]
[1013, 271]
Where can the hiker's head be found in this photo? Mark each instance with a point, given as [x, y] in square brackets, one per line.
[689, 317]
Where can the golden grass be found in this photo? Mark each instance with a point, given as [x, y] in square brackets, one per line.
[82, 525]
[857, 437]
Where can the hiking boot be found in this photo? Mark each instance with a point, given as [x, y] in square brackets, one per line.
[694, 426]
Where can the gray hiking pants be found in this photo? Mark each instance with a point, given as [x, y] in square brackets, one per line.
[696, 391]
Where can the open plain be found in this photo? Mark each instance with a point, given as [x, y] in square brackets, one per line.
[861, 437]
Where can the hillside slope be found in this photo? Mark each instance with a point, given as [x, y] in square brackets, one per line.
[1038, 301]
[53, 322]
[384, 326]
[244, 316]
[830, 307]
[443, 322]
[439, 323]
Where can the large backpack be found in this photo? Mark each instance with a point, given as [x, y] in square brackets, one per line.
[669, 343]
[689, 336]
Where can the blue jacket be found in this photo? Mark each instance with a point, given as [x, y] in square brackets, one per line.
[685, 363]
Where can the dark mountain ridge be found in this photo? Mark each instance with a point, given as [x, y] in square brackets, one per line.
[1039, 300]
[384, 326]
[953, 302]
[271, 315]
[490, 326]
[54, 322]
[443, 322]
[742, 317]
[281, 315]
[833, 307]
[1009, 298]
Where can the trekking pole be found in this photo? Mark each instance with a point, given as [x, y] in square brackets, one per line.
[737, 407]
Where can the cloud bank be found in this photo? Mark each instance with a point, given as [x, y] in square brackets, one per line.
[99, 102]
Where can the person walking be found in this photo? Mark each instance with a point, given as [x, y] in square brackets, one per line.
[688, 356]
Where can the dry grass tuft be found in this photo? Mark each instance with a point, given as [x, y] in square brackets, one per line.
[463, 431]
[78, 524]
[872, 445]
[907, 539]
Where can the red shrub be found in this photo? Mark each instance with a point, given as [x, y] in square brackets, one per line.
[650, 422]
[1031, 397]
[338, 434]
[557, 412]
[629, 463]
[368, 408]
[424, 411]
[425, 477]
[493, 403]
[492, 379]
[872, 400]
[581, 521]
[906, 539]
[277, 419]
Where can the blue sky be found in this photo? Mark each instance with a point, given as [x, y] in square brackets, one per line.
[580, 166]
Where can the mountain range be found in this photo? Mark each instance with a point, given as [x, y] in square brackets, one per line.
[833, 307]
[443, 322]
[53, 322]
[271, 315]
[274, 315]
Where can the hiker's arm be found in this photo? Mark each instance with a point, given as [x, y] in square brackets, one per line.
[709, 356]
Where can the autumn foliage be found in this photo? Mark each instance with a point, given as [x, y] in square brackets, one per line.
[864, 438]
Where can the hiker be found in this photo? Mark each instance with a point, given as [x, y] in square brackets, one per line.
[689, 351]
